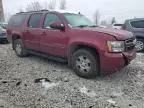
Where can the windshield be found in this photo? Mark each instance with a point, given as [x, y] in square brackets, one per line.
[78, 20]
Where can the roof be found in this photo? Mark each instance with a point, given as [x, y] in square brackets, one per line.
[60, 11]
[135, 19]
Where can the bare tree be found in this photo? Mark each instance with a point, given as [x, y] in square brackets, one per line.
[46, 5]
[20, 9]
[63, 4]
[103, 22]
[97, 17]
[52, 4]
[34, 6]
[7, 16]
[113, 20]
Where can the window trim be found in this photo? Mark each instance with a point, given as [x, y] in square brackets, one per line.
[45, 19]
[30, 18]
[133, 21]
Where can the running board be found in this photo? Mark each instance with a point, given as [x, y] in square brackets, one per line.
[55, 58]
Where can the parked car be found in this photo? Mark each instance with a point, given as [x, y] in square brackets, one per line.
[136, 26]
[117, 26]
[71, 37]
[3, 37]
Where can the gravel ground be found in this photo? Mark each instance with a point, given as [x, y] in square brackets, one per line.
[35, 82]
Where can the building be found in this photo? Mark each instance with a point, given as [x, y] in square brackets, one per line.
[1, 11]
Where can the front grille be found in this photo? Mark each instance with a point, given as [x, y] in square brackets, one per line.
[130, 44]
[2, 34]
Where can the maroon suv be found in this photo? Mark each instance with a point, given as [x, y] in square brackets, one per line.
[71, 37]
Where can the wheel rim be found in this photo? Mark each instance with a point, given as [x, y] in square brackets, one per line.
[83, 64]
[139, 45]
[18, 48]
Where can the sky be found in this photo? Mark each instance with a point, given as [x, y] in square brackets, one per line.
[120, 9]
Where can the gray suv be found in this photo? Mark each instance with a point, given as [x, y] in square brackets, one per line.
[136, 26]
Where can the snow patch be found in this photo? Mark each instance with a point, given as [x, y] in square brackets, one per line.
[140, 63]
[88, 92]
[111, 101]
[48, 85]
[140, 54]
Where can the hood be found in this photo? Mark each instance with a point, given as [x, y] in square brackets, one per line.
[118, 34]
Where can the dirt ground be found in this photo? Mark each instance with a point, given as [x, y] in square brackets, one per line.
[36, 82]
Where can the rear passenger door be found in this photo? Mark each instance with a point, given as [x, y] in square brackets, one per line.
[33, 32]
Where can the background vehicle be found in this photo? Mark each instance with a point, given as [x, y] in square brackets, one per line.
[117, 26]
[3, 37]
[71, 37]
[136, 26]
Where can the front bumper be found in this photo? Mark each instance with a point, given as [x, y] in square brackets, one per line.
[3, 38]
[115, 61]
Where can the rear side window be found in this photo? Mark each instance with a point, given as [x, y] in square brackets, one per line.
[49, 19]
[34, 21]
[137, 24]
[17, 20]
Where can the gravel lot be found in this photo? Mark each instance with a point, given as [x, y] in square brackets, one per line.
[35, 82]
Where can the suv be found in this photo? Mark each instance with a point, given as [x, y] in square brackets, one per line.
[117, 26]
[136, 26]
[73, 38]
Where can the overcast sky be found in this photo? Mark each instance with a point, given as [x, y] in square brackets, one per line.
[121, 9]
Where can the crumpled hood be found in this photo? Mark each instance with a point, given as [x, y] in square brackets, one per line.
[118, 34]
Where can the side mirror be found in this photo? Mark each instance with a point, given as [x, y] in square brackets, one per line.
[57, 25]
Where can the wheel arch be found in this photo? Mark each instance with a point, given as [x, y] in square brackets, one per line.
[14, 37]
[76, 47]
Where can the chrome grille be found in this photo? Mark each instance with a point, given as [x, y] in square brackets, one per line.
[3, 34]
[130, 44]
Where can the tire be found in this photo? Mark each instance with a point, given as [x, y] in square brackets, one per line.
[140, 45]
[85, 63]
[19, 49]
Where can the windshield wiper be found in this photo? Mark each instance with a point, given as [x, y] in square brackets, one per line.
[93, 26]
[81, 26]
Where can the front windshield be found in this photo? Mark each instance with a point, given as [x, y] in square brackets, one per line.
[78, 20]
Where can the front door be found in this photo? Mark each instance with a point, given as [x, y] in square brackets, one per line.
[53, 41]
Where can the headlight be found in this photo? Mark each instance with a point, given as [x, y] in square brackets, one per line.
[116, 46]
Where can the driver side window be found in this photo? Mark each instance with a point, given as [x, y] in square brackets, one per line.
[49, 19]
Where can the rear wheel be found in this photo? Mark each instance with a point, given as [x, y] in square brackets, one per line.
[140, 45]
[19, 49]
[85, 63]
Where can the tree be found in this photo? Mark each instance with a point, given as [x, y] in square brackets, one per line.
[52, 4]
[63, 4]
[20, 10]
[97, 17]
[34, 6]
[103, 22]
[113, 20]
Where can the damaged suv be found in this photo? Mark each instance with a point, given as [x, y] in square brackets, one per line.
[71, 37]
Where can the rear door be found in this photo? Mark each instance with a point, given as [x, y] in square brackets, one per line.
[33, 32]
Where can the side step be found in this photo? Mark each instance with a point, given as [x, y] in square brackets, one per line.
[55, 58]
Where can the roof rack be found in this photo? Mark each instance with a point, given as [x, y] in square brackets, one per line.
[32, 11]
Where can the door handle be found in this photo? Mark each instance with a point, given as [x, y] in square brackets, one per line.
[43, 33]
[26, 30]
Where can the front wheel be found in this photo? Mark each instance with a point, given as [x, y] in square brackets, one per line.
[85, 63]
[140, 45]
